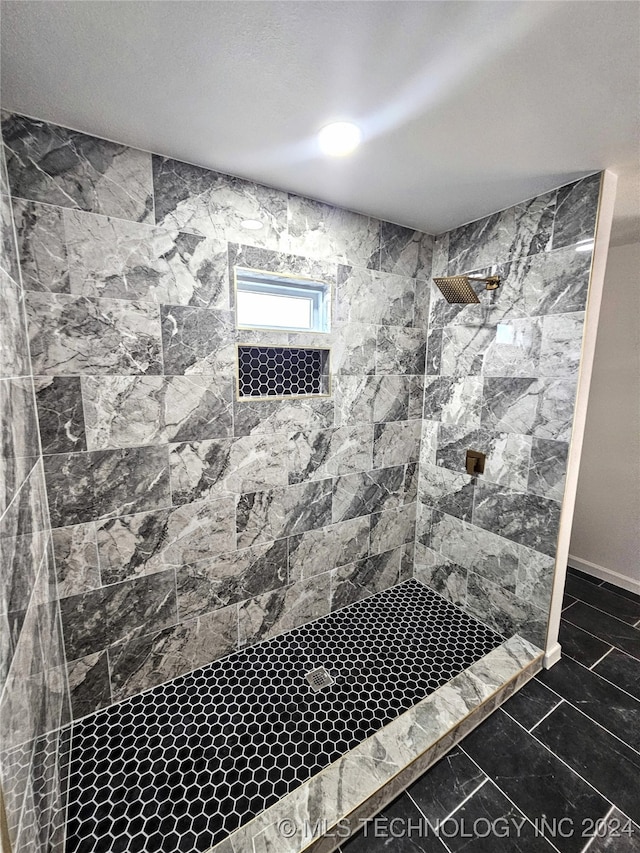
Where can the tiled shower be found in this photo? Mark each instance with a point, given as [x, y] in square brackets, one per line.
[153, 524]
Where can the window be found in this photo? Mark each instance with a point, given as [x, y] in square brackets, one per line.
[272, 301]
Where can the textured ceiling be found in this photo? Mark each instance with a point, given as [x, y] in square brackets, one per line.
[466, 107]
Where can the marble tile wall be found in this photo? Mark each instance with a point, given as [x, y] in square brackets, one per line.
[501, 378]
[185, 523]
[34, 695]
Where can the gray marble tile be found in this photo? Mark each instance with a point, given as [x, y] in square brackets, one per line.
[400, 350]
[575, 218]
[367, 296]
[27, 512]
[440, 254]
[327, 453]
[396, 443]
[453, 400]
[482, 242]
[208, 203]
[416, 397]
[126, 411]
[20, 448]
[530, 520]
[229, 466]
[106, 483]
[95, 620]
[524, 229]
[41, 246]
[230, 578]
[534, 224]
[411, 480]
[282, 416]
[128, 260]
[60, 414]
[22, 557]
[433, 358]
[148, 542]
[143, 662]
[404, 251]
[477, 550]
[265, 516]
[74, 334]
[535, 577]
[8, 246]
[548, 283]
[429, 442]
[89, 684]
[373, 491]
[464, 349]
[198, 340]
[353, 349]
[561, 345]
[14, 346]
[422, 306]
[255, 258]
[51, 164]
[441, 574]
[548, 468]
[76, 557]
[318, 551]
[446, 491]
[504, 611]
[359, 580]
[392, 528]
[322, 231]
[283, 609]
[515, 349]
[543, 408]
[373, 398]
[508, 454]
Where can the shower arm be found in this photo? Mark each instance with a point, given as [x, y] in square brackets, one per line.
[493, 281]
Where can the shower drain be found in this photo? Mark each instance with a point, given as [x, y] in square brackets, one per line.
[319, 678]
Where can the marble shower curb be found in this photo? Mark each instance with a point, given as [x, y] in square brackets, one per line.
[315, 816]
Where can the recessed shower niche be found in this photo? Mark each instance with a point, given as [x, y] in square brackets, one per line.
[185, 557]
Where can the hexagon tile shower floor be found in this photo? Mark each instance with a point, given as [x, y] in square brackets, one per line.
[179, 767]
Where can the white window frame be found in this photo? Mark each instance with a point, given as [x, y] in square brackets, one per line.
[289, 286]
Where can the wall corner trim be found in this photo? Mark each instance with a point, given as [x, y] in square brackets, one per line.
[552, 656]
[604, 221]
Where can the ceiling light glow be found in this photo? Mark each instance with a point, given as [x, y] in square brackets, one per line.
[339, 138]
[251, 224]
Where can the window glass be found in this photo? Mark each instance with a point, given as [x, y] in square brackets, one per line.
[272, 301]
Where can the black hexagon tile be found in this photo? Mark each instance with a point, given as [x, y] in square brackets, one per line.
[179, 767]
[282, 371]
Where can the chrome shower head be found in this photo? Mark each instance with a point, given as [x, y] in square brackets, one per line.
[456, 288]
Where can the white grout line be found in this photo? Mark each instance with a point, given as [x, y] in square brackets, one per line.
[505, 795]
[595, 637]
[559, 702]
[606, 613]
[584, 714]
[573, 770]
[593, 665]
[594, 836]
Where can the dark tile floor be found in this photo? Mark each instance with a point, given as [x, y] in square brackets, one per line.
[557, 768]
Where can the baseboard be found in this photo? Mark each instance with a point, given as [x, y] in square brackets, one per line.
[604, 574]
[552, 656]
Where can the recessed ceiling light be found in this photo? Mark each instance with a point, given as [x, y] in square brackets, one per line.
[251, 224]
[339, 138]
[584, 246]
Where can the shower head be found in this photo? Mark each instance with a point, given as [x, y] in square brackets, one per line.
[456, 288]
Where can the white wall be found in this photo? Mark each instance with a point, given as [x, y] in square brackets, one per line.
[605, 539]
